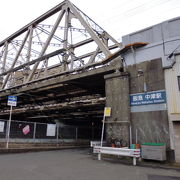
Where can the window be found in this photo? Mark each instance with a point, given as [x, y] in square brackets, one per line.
[178, 82]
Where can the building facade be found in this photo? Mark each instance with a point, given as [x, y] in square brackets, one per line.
[152, 84]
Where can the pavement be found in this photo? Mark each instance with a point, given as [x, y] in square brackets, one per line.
[75, 164]
[144, 163]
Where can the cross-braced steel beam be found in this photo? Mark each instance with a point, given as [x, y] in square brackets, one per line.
[71, 42]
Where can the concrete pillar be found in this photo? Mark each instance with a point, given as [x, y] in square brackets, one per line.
[1, 81]
[117, 97]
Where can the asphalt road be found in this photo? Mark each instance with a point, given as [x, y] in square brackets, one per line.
[74, 165]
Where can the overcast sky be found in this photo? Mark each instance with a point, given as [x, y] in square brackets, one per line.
[118, 17]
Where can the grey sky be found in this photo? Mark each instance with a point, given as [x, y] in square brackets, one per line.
[118, 17]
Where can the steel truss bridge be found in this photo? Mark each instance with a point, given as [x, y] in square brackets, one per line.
[56, 66]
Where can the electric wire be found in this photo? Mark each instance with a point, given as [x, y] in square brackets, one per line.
[125, 13]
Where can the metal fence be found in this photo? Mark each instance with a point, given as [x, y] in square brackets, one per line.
[35, 130]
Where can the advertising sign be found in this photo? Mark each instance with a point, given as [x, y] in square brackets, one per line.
[1, 126]
[26, 130]
[107, 111]
[51, 130]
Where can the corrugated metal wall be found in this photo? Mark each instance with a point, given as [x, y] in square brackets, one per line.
[172, 89]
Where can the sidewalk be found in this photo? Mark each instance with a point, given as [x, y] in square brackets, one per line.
[20, 147]
[142, 163]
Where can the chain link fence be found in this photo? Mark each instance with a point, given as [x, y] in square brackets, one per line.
[35, 130]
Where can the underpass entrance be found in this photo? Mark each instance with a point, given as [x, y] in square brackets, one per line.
[76, 107]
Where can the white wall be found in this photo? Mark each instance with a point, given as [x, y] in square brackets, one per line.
[173, 95]
[163, 39]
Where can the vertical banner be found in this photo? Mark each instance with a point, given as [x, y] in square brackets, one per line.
[51, 130]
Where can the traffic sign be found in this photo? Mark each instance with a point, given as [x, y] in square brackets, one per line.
[12, 100]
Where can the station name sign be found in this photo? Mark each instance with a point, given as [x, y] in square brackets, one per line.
[154, 97]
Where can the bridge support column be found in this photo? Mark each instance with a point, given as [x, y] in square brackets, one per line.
[117, 97]
[1, 81]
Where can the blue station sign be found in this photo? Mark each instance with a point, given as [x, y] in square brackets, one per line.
[154, 97]
[12, 100]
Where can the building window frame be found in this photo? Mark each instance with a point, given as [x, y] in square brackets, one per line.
[178, 79]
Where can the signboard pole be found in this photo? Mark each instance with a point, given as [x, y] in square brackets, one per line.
[102, 133]
[107, 113]
[12, 101]
[9, 127]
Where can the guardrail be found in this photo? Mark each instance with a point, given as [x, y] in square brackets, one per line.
[96, 143]
[134, 153]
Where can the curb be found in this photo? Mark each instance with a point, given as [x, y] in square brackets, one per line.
[36, 149]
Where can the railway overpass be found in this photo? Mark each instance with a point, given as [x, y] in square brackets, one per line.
[56, 65]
